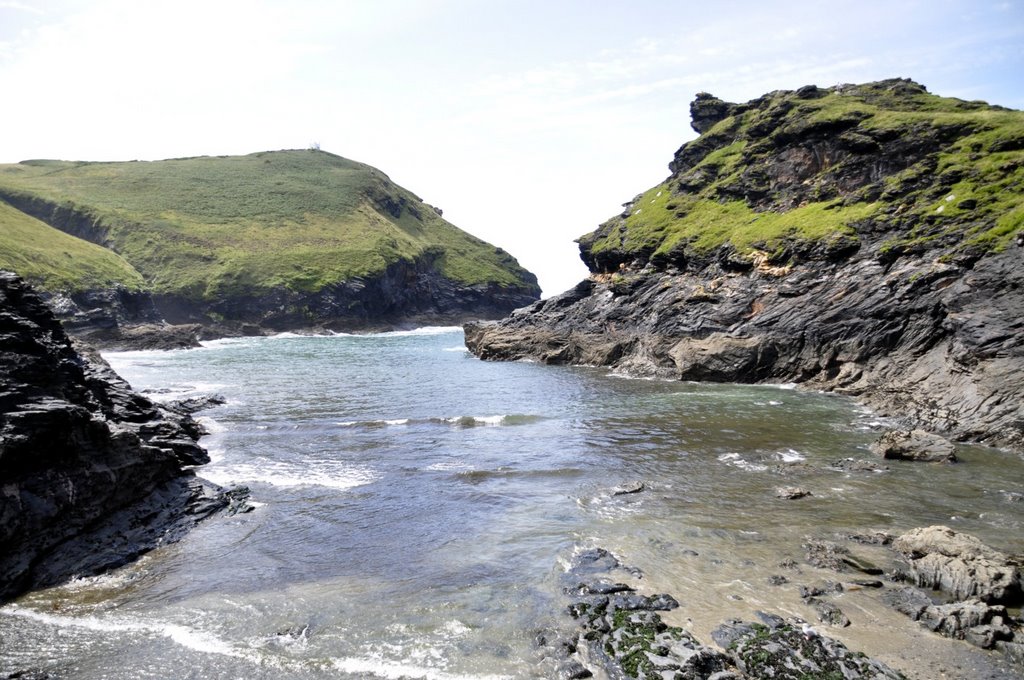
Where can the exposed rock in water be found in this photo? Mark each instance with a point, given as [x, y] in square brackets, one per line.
[979, 579]
[791, 492]
[792, 649]
[94, 474]
[915, 445]
[960, 565]
[729, 271]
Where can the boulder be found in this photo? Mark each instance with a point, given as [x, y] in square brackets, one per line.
[961, 565]
[916, 445]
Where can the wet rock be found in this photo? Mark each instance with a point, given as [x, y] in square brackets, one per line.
[864, 583]
[94, 474]
[593, 561]
[826, 555]
[791, 492]
[960, 564]
[793, 650]
[915, 445]
[972, 620]
[195, 404]
[858, 465]
[819, 589]
[629, 488]
[829, 612]
[777, 580]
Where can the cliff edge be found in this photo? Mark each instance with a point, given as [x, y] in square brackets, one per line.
[865, 239]
[93, 474]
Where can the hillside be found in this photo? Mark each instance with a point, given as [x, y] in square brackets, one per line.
[861, 238]
[47, 256]
[274, 240]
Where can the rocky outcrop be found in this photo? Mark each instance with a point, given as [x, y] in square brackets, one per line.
[961, 565]
[916, 445]
[729, 271]
[295, 240]
[779, 648]
[93, 473]
[618, 633]
[404, 294]
[119, 319]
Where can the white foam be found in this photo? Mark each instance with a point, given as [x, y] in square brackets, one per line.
[332, 476]
[456, 349]
[382, 668]
[472, 421]
[736, 460]
[191, 638]
[790, 456]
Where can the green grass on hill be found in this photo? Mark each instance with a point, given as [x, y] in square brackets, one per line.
[210, 227]
[56, 262]
[973, 201]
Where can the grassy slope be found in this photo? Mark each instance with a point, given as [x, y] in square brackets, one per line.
[211, 227]
[982, 166]
[54, 261]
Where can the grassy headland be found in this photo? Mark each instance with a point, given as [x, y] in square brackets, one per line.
[210, 228]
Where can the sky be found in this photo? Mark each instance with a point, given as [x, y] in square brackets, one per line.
[528, 122]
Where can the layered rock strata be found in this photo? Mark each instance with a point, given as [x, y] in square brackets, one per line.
[863, 239]
[92, 473]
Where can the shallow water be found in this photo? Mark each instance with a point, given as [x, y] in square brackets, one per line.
[417, 508]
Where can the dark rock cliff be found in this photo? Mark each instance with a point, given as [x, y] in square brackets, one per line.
[91, 473]
[886, 265]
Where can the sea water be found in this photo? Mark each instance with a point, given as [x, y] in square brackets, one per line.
[416, 509]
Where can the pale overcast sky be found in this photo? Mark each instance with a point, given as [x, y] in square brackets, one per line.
[528, 122]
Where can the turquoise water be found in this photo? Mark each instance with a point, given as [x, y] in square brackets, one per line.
[417, 507]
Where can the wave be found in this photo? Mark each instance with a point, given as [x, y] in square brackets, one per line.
[207, 643]
[790, 456]
[736, 460]
[185, 636]
[453, 421]
[381, 668]
[330, 475]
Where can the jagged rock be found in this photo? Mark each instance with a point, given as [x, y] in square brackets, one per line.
[858, 465]
[94, 474]
[976, 622]
[791, 492]
[828, 612]
[629, 488]
[792, 649]
[916, 445]
[960, 564]
[897, 309]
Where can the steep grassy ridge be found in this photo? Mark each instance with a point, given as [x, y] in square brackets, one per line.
[792, 172]
[49, 257]
[210, 228]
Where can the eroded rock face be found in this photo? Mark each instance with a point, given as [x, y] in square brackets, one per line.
[923, 328]
[93, 473]
[960, 565]
[915, 445]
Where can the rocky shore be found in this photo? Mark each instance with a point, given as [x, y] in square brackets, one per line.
[93, 473]
[841, 239]
[950, 582]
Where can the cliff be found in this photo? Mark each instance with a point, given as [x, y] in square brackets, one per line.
[93, 474]
[272, 241]
[863, 238]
